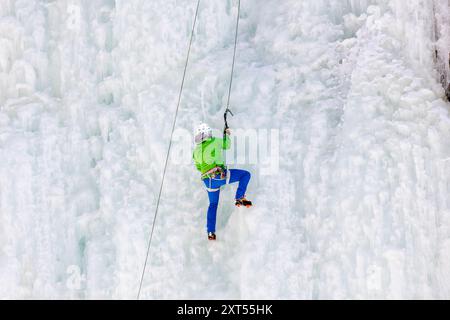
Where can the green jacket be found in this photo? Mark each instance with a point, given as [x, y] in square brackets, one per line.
[209, 154]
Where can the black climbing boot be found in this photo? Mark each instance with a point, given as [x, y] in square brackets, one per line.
[243, 202]
[211, 236]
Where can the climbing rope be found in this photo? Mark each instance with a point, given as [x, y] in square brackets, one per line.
[168, 150]
[234, 56]
[227, 110]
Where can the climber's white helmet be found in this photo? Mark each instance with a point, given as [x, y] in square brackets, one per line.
[202, 132]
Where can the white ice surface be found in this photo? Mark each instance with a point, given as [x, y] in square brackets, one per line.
[359, 209]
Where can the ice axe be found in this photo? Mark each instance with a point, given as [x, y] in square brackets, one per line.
[226, 128]
[225, 118]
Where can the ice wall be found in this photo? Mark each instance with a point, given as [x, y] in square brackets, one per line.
[87, 90]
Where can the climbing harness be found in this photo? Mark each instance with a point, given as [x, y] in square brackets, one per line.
[214, 172]
[169, 148]
[219, 175]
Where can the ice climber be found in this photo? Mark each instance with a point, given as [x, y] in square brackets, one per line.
[208, 158]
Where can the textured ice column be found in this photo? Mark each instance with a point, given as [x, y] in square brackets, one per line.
[337, 9]
[415, 22]
[442, 36]
[425, 26]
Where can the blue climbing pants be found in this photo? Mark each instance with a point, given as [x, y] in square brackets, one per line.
[213, 188]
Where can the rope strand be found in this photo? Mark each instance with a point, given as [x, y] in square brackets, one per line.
[234, 53]
[168, 150]
[227, 110]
